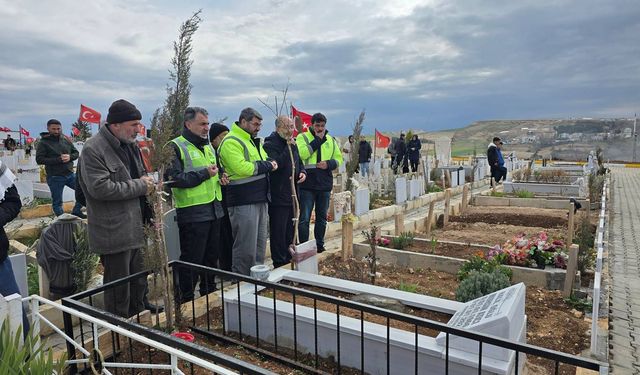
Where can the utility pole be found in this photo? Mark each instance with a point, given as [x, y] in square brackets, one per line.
[635, 136]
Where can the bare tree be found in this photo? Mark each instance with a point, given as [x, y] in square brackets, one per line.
[355, 150]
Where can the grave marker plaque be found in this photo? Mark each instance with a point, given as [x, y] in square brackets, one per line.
[362, 202]
[401, 190]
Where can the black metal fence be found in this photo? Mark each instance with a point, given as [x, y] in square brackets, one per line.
[213, 325]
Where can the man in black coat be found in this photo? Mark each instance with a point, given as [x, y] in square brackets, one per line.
[281, 205]
[10, 205]
[401, 155]
[413, 151]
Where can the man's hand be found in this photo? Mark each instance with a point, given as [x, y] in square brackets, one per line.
[212, 170]
[274, 165]
[65, 158]
[148, 180]
[302, 177]
[322, 165]
[224, 179]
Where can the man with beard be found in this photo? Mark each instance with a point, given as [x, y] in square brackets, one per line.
[248, 166]
[115, 187]
[281, 206]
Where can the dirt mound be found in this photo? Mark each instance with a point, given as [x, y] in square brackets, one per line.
[512, 218]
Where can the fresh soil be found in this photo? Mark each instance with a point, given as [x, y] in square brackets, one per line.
[522, 216]
[487, 234]
[447, 249]
[551, 322]
[379, 202]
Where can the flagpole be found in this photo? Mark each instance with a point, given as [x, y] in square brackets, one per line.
[375, 142]
[20, 134]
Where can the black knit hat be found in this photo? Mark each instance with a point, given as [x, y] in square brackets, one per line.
[215, 130]
[122, 111]
[53, 121]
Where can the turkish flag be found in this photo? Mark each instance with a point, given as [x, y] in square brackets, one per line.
[305, 117]
[24, 131]
[89, 115]
[5, 129]
[75, 131]
[382, 140]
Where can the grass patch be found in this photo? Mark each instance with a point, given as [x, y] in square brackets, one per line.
[498, 194]
[523, 194]
[32, 279]
[411, 288]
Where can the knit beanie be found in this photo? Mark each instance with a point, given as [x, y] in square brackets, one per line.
[215, 130]
[122, 111]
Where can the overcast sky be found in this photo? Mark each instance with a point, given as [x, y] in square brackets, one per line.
[411, 64]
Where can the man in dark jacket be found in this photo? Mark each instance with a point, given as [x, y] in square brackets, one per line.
[364, 157]
[195, 184]
[57, 154]
[10, 205]
[401, 155]
[281, 205]
[216, 135]
[320, 154]
[496, 162]
[413, 151]
[115, 186]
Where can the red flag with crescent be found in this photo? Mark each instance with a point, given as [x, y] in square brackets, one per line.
[382, 140]
[89, 115]
[24, 131]
[305, 117]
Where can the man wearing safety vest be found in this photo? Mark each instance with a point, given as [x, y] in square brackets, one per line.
[247, 165]
[320, 154]
[194, 180]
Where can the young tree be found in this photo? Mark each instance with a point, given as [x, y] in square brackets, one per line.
[353, 165]
[84, 128]
[166, 124]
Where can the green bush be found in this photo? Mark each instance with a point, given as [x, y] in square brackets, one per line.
[32, 279]
[476, 263]
[411, 288]
[498, 194]
[586, 252]
[404, 240]
[434, 188]
[479, 284]
[30, 358]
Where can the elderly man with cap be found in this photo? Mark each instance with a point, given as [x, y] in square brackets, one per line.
[197, 196]
[57, 154]
[115, 185]
[248, 167]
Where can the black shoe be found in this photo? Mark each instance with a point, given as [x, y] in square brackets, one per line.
[321, 249]
[80, 215]
[153, 308]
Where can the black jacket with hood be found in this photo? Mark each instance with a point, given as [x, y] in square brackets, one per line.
[48, 153]
[276, 148]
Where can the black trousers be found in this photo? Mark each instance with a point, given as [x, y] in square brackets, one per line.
[414, 165]
[498, 173]
[199, 243]
[281, 234]
[226, 243]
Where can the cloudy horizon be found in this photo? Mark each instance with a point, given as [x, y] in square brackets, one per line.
[428, 65]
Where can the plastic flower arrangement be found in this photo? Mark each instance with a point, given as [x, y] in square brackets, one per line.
[536, 251]
[383, 241]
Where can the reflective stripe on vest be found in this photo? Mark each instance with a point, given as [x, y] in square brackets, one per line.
[244, 180]
[193, 159]
[311, 152]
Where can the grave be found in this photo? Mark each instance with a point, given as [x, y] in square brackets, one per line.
[362, 202]
[401, 190]
[500, 313]
[548, 189]
[443, 151]
[41, 190]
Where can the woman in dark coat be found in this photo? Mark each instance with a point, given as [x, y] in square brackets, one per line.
[413, 150]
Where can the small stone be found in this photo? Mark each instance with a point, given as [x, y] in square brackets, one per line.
[411, 271]
[576, 313]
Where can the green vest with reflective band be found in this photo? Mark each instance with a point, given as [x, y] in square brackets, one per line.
[329, 150]
[194, 160]
[239, 154]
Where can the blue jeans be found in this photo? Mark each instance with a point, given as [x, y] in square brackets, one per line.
[8, 285]
[309, 198]
[56, 185]
[364, 169]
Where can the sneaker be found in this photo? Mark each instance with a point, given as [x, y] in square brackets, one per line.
[80, 215]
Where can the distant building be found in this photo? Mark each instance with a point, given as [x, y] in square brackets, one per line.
[627, 133]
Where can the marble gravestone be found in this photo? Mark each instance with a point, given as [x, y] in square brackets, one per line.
[499, 314]
[362, 202]
[341, 205]
[401, 190]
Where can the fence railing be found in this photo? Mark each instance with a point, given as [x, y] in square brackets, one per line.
[125, 347]
[212, 324]
[597, 280]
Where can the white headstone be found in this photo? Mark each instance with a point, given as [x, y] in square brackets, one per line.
[341, 205]
[414, 189]
[309, 265]
[25, 189]
[401, 190]
[362, 202]
[19, 265]
[499, 314]
[443, 151]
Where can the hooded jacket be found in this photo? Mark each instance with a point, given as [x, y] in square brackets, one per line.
[364, 152]
[492, 155]
[48, 154]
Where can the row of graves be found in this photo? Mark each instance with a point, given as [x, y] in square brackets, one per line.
[397, 302]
